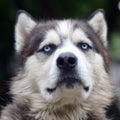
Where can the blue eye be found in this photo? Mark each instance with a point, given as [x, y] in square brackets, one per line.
[84, 46]
[48, 49]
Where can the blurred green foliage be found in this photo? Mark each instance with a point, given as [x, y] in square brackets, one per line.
[115, 45]
[49, 9]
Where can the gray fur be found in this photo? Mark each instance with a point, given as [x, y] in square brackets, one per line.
[38, 70]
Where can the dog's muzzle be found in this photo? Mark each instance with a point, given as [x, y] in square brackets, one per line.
[67, 63]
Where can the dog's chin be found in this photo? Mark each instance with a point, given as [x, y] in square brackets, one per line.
[66, 89]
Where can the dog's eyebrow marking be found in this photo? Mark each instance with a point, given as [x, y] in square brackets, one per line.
[78, 35]
[51, 37]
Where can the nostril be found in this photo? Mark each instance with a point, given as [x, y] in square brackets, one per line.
[72, 61]
[60, 62]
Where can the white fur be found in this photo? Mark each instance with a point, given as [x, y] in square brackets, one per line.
[50, 37]
[79, 36]
[45, 74]
[98, 23]
[41, 72]
[65, 28]
[23, 27]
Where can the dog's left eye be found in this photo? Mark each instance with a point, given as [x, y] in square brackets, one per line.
[84, 46]
[48, 49]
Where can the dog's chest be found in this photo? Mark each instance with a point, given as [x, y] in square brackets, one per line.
[59, 115]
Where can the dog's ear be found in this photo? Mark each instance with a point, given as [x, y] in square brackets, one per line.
[98, 23]
[23, 27]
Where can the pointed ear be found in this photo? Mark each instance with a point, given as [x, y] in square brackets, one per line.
[23, 27]
[98, 23]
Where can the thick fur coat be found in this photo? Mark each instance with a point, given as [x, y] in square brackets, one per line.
[63, 71]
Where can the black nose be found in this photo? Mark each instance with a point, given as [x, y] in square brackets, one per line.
[66, 61]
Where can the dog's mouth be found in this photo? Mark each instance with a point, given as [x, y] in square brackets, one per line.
[69, 81]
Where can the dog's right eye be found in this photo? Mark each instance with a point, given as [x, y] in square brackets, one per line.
[48, 49]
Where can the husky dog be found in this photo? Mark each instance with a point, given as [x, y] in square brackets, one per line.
[63, 71]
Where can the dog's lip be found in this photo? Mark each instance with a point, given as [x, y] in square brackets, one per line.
[69, 86]
[86, 88]
[68, 81]
[51, 90]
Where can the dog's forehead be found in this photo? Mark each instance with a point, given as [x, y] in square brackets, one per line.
[66, 29]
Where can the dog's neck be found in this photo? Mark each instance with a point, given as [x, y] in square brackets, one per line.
[57, 111]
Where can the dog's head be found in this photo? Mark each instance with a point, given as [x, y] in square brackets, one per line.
[62, 59]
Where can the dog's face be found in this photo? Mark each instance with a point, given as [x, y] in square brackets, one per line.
[62, 59]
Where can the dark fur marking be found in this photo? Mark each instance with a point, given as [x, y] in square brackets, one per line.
[17, 111]
[34, 39]
[91, 116]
